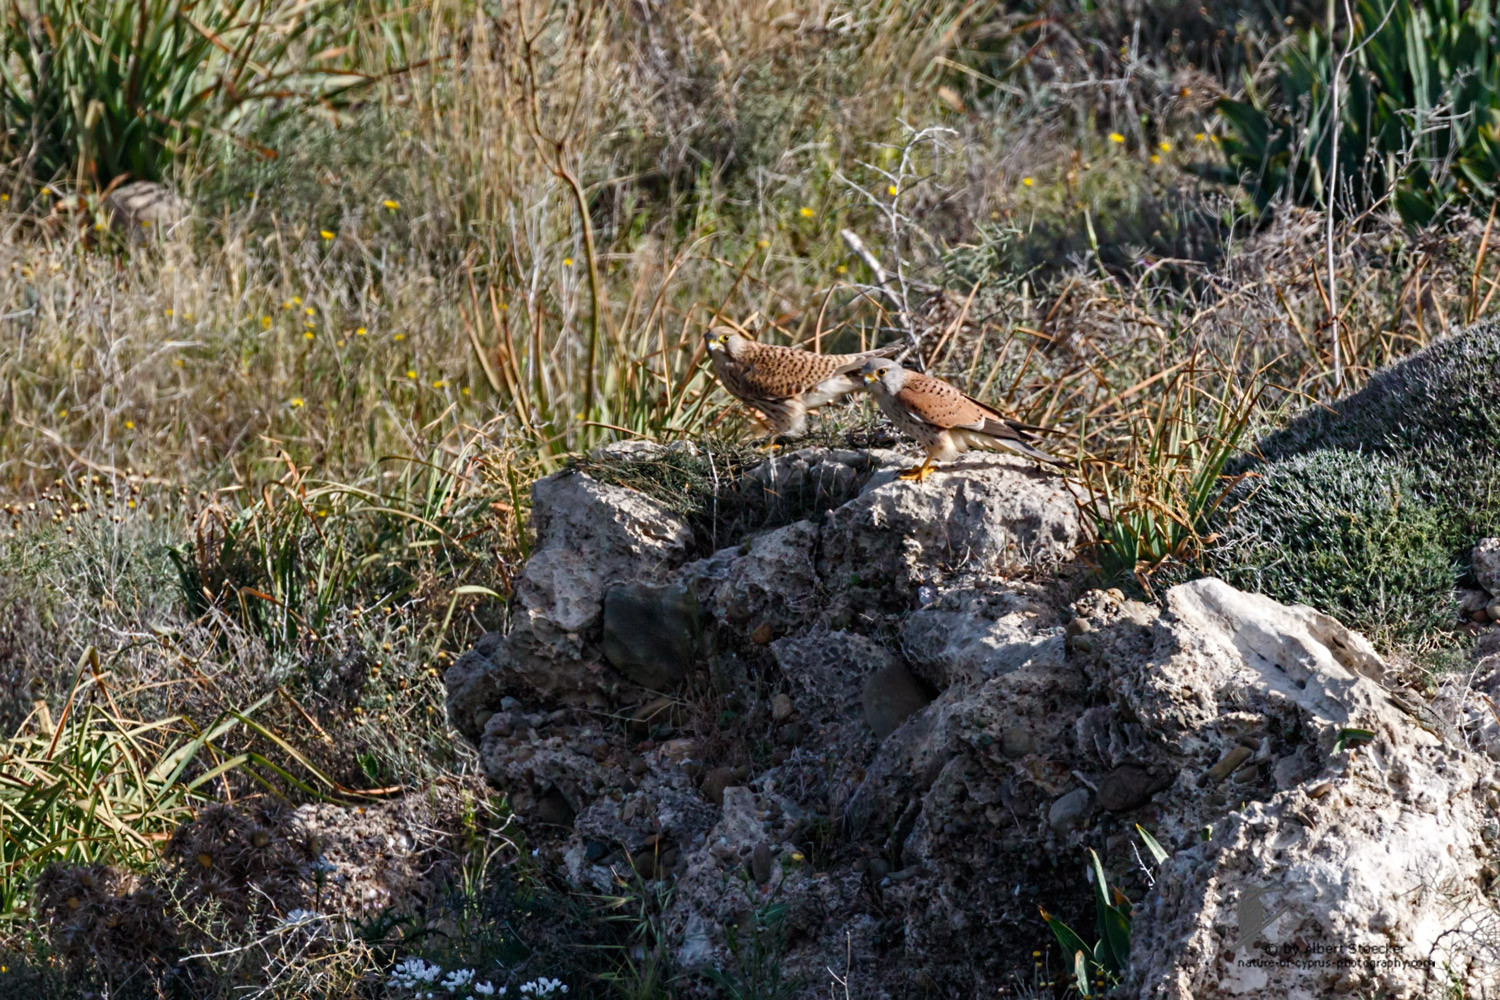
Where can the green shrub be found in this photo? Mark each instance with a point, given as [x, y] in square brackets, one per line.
[1420, 97]
[1367, 509]
[1437, 412]
[1346, 533]
[98, 89]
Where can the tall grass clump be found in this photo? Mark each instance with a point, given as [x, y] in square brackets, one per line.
[98, 787]
[93, 90]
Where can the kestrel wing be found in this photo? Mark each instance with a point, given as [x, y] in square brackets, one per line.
[783, 372]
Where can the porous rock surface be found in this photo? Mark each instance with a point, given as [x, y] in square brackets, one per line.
[903, 720]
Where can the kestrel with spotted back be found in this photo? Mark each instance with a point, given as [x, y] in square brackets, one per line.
[782, 384]
[945, 422]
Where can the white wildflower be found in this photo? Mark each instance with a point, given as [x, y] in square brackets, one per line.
[544, 987]
[458, 979]
[413, 971]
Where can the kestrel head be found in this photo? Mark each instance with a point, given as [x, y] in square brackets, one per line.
[885, 374]
[723, 338]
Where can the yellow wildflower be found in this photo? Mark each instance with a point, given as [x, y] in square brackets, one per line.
[308, 334]
[399, 336]
[360, 332]
[567, 262]
[296, 401]
[130, 425]
[411, 373]
[391, 203]
[807, 213]
[325, 234]
[1197, 136]
[891, 190]
[841, 269]
[1116, 137]
[1155, 158]
[265, 322]
[1026, 182]
[762, 243]
[440, 384]
[1164, 146]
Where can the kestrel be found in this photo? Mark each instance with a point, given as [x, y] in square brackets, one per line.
[944, 421]
[783, 383]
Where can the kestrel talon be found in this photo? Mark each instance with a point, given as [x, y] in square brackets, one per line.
[782, 384]
[945, 422]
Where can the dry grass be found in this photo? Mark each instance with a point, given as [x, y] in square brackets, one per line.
[296, 431]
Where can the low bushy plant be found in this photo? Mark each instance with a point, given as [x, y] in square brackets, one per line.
[1366, 509]
[1420, 89]
[1344, 532]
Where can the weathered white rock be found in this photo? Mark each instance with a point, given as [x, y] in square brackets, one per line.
[589, 537]
[985, 514]
[1052, 728]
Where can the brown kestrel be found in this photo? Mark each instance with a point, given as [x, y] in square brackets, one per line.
[783, 383]
[944, 421]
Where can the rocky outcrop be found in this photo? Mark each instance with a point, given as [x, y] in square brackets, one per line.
[900, 723]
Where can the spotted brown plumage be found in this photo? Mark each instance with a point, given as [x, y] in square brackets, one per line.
[944, 421]
[782, 384]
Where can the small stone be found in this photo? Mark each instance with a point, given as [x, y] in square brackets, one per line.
[1493, 610]
[651, 633]
[763, 634]
[594, 850]
[760, 863]
[1229, 762]
[1125, 788]
[790, 734]
[781, 707]
[878, 868]
[1485, 562]
[714, 783]
[644, 863]
[1247, 775]
[1017, 741]
[891, 696]
[1069, 811]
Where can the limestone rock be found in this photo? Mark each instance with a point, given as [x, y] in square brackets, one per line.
[591, 536]
[1485, 562]
[984, 514]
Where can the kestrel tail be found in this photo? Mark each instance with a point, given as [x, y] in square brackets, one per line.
[783, 384]
[945, 422]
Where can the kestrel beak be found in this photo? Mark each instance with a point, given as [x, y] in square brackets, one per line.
[870, 377]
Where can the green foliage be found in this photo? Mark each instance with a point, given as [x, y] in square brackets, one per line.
[1417, 115]
[98, 788]
[1155, 506]
[1096, 970]
[1344, 532]
[1367, 509]
[99, 89]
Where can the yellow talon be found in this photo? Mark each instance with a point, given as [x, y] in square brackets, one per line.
[917, 474]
